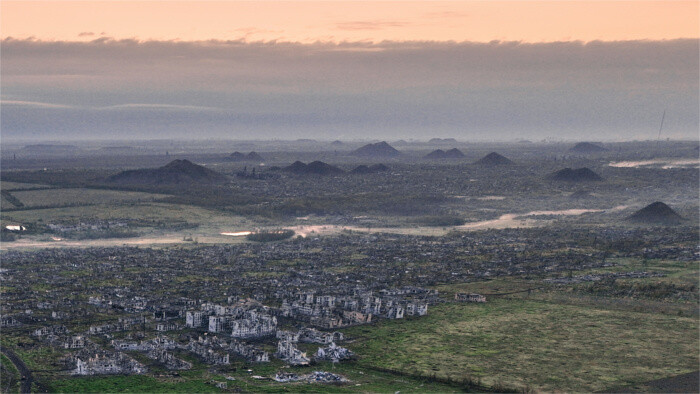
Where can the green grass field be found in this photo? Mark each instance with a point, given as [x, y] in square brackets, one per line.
[6, 203]
[145, 210]
[153, 221]
[199, 381]
[80, 196]
[9, 376]
[521, 343]
[5, 185]
[130, 384]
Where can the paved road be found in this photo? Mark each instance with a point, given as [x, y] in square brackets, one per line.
[686, 383]
[25, 373]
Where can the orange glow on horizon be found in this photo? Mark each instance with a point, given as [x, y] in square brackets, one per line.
[310, 21]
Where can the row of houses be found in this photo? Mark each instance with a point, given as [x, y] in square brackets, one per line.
[99, 362]
[310, 335]
[246, 325]
[328, 311]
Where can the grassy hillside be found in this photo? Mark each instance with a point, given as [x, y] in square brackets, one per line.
[534, 344]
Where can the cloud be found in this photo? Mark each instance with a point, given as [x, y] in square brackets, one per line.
[368, 25]
[405, 89]
[86, 34]
[167, 107]
[249, 32]
[34, 104]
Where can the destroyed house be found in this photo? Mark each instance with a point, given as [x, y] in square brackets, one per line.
[333, 353]
[168, 359]
[196, 319]
[249, 352]
[311, 335]
[74, 342]
[288, 352]
[104, 363]
[219, 323]
[469, 297]
[256, 325]
[416, 309]
[207, 354]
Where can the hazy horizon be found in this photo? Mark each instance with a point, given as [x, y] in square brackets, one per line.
[70, 90]
[418, 141]
[346, 70]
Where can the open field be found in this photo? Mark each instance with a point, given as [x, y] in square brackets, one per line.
[678, 286]
[156, 223]
[80, 196]
[147, 211]
[527, 343]
[134, 384]
[5, 185]
[6, 202]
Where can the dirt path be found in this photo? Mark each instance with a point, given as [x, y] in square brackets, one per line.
[216, 236]
[26, 378]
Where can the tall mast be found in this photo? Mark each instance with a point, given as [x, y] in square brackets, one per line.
[662, 125]
[658, 138]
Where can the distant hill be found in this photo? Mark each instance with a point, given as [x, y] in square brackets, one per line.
[656, 213]
[252, 156]
[363, 169]
[587, 147]
[237, 156]
[175, 172]
[494, 159]
[337, 143]
[441, 154]
[442, 141]
[315, 167]
[296, 167]
[576, 175]
[380, 149]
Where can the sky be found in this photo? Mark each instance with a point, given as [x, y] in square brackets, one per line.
[473, 70]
